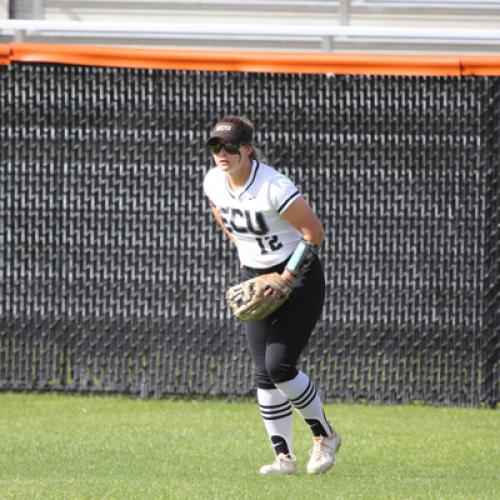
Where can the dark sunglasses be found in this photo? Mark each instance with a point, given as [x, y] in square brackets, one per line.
[232, 149]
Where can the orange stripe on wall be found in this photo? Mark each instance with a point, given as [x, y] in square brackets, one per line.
[4, 54]
[480, 65]
[252, 61]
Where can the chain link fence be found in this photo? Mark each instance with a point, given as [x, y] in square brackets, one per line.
[112, 270]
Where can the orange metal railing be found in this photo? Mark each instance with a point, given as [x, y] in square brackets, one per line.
[252, 61]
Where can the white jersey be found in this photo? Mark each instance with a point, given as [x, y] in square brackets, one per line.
[252, 214]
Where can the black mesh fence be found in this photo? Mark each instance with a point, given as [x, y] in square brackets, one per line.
[112, 270]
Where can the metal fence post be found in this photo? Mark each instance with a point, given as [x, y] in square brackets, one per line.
[344, 12]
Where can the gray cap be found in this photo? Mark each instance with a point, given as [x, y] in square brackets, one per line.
[231, 132]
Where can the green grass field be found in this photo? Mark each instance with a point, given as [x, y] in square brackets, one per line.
[62, 446]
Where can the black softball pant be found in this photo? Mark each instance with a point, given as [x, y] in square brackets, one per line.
[276, 342]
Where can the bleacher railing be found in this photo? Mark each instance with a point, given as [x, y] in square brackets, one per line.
[290, 36]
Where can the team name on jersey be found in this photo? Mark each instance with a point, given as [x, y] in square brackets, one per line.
[244, 221]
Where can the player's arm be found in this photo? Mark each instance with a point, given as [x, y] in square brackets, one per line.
[302, 217]
[218, 218]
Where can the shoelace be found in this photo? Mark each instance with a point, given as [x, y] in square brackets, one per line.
[285, 458]
[319, 446]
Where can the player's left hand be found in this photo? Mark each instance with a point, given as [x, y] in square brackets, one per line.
[258, 297]
[288, 277]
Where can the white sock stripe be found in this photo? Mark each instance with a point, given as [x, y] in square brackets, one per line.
[308, 402]
[270, 407]
[271, 413]
[305, 396]
[277, 417]
[275, 412]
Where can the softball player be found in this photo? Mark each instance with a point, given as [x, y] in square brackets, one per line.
[274, 230]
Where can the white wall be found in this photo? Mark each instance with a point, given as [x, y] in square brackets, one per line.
[4, 9]
[483, 14]
[467, 16]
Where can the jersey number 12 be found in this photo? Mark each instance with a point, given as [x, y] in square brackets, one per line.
[269, 244]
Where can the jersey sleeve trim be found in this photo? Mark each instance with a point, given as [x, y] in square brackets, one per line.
[288, 201]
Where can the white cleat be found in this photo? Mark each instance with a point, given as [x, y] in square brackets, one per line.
[284, 464]
[323, 453]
